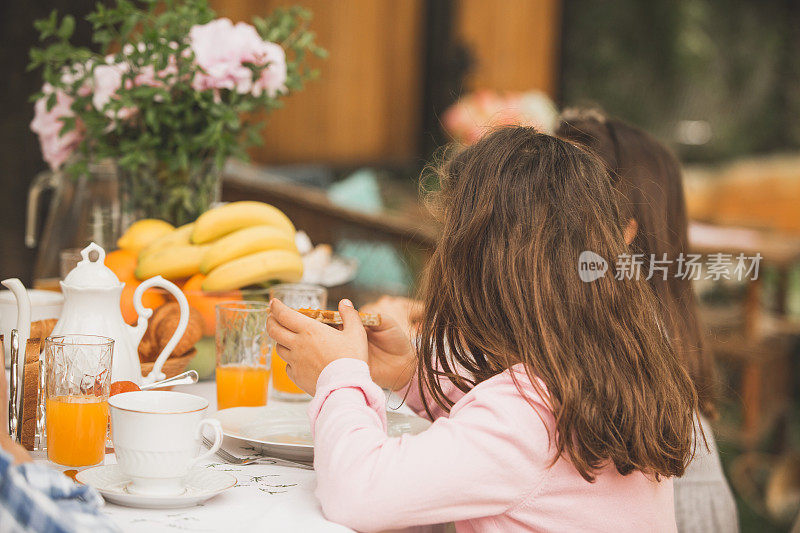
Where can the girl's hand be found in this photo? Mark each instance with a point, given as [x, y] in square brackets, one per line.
[392, 358]
[18, 453]
[308, 346]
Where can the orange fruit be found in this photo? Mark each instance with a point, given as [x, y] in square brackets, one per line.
[194, 283]
[205, 302]
[122, 263]
[119, 387]
[152, 298]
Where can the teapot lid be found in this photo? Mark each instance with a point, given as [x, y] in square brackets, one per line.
[90, 274]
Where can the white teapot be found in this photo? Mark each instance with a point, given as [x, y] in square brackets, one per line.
[91, 307]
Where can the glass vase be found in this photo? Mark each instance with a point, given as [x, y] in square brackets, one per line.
[178, 197]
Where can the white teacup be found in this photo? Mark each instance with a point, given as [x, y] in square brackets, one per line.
[157, 438]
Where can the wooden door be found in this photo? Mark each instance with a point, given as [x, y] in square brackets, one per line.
[514, 43]
[366, 105]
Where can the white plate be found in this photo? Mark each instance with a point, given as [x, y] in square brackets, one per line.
[283, 429]
[201, 484]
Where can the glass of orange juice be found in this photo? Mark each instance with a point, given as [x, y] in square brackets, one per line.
[296, 296]
[243, 349]
[77, 381]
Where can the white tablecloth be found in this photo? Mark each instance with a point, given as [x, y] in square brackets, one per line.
[266, 498]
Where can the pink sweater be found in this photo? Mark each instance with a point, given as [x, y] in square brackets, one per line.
[486, 466]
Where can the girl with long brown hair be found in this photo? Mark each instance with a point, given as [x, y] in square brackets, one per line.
[649, 178]
[564, 405]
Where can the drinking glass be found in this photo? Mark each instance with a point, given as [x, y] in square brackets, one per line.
[242, 354]
[296, 296]
[78, 377]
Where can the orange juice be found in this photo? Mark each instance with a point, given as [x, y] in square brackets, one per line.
[241, 386]
[280, 380]
[76, 430]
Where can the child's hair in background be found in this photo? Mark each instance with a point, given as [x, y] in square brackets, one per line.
[502, 288]
[648, 176]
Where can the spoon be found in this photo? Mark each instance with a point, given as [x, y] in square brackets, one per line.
[186, 378]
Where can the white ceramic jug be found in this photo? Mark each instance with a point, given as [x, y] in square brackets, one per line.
[43, 305]
[91, 306]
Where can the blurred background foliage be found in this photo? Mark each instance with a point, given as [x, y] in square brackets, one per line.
[715, 78]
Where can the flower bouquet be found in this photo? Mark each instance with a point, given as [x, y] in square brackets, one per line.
[167, 92]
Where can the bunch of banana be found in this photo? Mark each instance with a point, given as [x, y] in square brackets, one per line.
[269, 265]
[228, 218]
[235, 245]
[172, 262]
[244, 242]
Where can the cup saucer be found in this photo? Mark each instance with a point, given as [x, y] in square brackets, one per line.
[201, 484]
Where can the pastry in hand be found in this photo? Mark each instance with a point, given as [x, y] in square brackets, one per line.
[333, 318]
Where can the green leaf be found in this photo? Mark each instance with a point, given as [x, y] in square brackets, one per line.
[47, 27]
[67, 27]
[68, 124]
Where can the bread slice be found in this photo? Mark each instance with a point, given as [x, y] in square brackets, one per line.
[32, 424]
[30, 400]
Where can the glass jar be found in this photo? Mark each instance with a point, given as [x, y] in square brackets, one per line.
[82, 209]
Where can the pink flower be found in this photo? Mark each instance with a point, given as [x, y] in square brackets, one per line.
[147, 74]
[106, 80]
[475, 114]
[223, 51]
[272, 78]
[78, 71]
[56, 148]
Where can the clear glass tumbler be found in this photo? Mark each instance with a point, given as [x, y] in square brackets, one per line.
[78, 378]
[296, 296]
[243, 348]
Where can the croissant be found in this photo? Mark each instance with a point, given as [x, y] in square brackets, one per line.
[161, 327]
